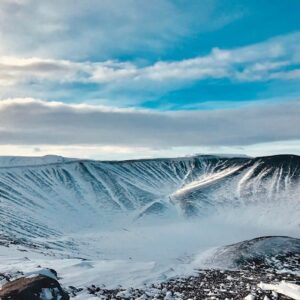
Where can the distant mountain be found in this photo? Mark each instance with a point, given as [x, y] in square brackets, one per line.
[18, 161]
[42, 197]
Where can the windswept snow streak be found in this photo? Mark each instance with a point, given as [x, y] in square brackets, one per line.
[38, 200]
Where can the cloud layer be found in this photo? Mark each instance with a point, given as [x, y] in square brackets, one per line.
[36, 122]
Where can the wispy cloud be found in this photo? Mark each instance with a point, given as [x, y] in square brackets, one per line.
[103, 28]
[263, 61]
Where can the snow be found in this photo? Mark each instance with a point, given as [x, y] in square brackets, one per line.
[207, 180]
[46, 294]
[144, 253]
[37, 272]
[85, 297]
[70, 207]
[22, 161]
[285, 288]
[62, 197]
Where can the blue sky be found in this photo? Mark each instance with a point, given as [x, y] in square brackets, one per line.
[158, 56]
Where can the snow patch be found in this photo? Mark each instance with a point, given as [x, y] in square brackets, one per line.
[285, 288]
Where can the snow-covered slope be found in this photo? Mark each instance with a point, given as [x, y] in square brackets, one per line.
[52, 195]
[144, 221]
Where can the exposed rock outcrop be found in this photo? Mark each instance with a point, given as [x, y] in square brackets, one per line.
[34, 287]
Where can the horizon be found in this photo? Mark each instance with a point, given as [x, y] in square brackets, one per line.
[11, 158]
[91, 82]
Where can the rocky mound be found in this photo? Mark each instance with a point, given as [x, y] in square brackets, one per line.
[273, 252]
[33, 287]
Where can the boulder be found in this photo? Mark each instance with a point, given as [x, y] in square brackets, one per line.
[36, 287]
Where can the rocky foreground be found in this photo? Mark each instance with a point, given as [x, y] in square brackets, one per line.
[205, 284]
[264, 268]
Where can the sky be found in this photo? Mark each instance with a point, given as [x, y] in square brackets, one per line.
[127, 79]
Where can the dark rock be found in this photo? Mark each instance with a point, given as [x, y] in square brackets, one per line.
[33, 288]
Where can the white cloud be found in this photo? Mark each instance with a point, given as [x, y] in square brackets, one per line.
[34, 123]
[263, 61]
